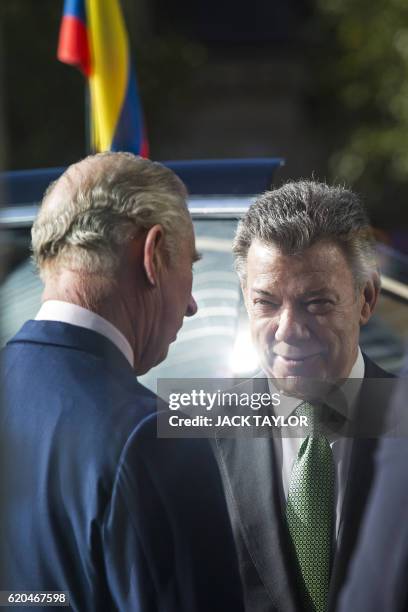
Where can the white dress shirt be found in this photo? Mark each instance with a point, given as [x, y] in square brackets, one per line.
[65, 312]
[286, 448]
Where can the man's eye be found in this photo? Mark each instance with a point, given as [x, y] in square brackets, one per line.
[318, 305]
[266, 303]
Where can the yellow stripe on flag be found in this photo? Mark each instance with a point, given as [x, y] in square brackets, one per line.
[110, 64]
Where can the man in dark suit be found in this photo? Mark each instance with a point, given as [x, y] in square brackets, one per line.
[377, 579]
[93, 504]
[306, 261]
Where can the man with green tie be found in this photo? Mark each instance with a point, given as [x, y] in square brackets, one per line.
[305, 256]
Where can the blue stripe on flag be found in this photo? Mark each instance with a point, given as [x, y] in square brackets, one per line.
[75, 8]
[129, 129]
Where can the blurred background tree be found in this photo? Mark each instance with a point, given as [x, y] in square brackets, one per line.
[362, 78]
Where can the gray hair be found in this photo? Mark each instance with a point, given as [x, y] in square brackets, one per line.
[299, 214]
[89, 214]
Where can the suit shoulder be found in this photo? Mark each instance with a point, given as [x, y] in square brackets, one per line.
[372, 370]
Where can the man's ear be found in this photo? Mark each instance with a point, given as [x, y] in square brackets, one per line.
[152, 253]
[369, 296]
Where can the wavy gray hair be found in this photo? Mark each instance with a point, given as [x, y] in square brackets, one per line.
[299, 214]
[88, 215]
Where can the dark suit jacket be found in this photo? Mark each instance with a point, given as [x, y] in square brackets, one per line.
[252, 486]
[378, 576]
[92, 502]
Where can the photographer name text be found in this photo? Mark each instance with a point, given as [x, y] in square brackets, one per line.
[253, 420]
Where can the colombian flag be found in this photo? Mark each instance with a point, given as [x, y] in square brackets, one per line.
[93, 37]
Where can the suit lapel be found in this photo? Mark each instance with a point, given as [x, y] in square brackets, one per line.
[372, 413]
[359, 482]
[253, 496]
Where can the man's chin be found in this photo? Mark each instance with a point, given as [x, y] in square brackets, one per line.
[310, 389]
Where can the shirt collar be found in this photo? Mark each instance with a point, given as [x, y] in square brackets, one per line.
[65, 312]
[342, 400]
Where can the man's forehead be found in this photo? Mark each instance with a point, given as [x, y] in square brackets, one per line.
[314, 268]
[269, 255]
[195, 254]
[188, 246]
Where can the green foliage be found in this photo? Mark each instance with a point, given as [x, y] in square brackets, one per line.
[366, 72]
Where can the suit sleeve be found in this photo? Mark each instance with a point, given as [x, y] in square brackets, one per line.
[132, 547]
[167, 536]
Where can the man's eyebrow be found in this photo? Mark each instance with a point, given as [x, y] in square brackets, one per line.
[306, 295]
[263, 292]
[318, 292]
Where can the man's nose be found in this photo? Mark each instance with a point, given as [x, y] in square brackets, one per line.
[291, 326]
[191, 307]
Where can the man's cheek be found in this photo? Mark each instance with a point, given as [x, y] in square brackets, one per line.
[328, 322]
[258, 331]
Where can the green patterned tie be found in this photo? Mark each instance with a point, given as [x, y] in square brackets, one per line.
[310, 513]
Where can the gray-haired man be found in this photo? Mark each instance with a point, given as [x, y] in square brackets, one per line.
[95, 508]
[306, 261]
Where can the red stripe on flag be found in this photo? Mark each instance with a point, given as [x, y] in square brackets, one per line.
[73, 44]
[144, 149]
